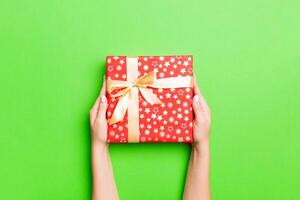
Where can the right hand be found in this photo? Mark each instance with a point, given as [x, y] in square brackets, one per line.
[202, 121]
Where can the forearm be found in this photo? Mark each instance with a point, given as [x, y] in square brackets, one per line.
[104, 186]
[197, 181]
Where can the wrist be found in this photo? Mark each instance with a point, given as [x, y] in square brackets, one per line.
[99, 138]
[201, 147]
[97, 144]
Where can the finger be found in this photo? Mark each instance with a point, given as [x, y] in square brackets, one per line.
[199, 103]
[103, 89]
[197, 100]
[196, 87]
[197, 107]
[101, 114]
[202, 101]
[94, 110]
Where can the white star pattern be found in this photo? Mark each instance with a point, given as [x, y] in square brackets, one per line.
[170, 121]
[146, 67]
[110, 68]
[155, 109]
[119, 67]
[170, 105]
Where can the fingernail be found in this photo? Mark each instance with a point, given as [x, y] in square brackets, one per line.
[103, 99]
[196, 98]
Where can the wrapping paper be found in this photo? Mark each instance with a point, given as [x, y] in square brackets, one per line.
[169, 118]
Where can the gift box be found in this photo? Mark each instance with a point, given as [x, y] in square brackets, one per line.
[149, 99]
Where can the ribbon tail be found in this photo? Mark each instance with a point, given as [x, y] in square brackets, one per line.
[149, 96]
[133, 116]
[120, 109]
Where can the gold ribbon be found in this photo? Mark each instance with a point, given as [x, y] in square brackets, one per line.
[129, 94]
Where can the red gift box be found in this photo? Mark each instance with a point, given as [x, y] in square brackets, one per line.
[149, 98]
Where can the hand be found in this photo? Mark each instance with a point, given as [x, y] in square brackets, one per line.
[104, 186]
[202, 121]
[197, 184]
[98, 120]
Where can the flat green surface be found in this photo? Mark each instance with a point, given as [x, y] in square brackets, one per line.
[246, 56]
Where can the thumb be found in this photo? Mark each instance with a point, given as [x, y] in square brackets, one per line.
[103, 103]
[197, 106]
[102, 108]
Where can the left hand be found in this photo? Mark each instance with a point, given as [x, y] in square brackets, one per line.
[98, 120]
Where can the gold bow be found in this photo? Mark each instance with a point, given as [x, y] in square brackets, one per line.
[129, 94]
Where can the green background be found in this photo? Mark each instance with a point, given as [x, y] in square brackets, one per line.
[246, 57]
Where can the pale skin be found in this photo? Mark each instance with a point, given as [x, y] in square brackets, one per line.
[197, 185]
